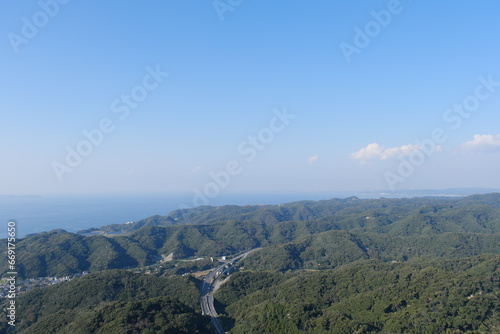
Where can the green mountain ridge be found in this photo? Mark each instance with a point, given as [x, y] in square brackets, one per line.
[294, 211]
[61, 253]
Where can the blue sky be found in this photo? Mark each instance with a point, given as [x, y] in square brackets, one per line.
[357, 117]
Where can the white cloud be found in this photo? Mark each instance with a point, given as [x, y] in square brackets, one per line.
[482, 143]
[395, 152]
[370, 152]
[375, 151]
[312, 160]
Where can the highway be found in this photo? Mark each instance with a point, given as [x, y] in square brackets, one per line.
[207, 293]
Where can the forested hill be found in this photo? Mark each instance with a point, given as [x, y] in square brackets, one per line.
[114, 301]
[296, 211]
[421, 296]
[306, 234]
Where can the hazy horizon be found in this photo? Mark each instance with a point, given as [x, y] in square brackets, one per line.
[377, 193]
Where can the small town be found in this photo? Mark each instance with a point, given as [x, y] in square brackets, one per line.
[26, 285]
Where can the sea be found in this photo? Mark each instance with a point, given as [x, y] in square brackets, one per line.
[73, 213]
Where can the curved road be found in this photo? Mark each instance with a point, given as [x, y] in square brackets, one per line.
[207, 293]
